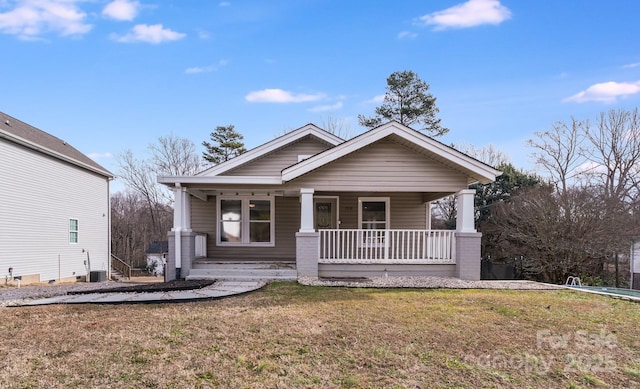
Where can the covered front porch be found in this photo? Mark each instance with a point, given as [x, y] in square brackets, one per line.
[374, 251]
[329, 234]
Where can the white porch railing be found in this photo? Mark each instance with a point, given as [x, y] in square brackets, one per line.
[387, 246]
[201, 245]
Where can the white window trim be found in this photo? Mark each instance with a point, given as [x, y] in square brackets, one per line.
[387, 224]
[77, 230]
[245, 222]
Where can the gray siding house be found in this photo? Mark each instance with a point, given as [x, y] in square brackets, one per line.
[330, 207]
[54, 208]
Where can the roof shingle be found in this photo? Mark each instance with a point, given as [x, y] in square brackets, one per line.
[47, 143]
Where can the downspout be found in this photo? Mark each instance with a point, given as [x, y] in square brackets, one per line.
[109, 228]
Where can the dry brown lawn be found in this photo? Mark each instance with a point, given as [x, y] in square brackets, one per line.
[292, 336]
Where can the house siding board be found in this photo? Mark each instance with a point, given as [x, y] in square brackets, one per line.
[382, 270]
[384, 164]
[38, 197]
[273, 163]
[408, 211]
[287, 216]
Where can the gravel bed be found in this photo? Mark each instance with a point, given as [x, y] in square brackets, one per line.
[425, 282]
[11, 295]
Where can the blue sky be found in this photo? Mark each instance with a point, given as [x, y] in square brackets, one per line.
[112, 75]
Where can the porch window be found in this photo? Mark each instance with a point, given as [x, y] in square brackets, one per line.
[73, 231]
[373, 214]
[246, 221]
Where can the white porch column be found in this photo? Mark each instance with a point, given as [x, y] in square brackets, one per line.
[306, 210]
[181, 220]
[307, 239]
[465, 216]
[181, 209]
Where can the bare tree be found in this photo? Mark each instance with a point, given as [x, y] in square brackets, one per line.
[337, 126]
[489, 154]
[143, 212]
[533, 225]
[559, 153]
[174, 156]
[444, 211]
[140, 176]
[594, 171]
[615, 155]
[131, 226]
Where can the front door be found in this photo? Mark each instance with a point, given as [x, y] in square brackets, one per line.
[325, 213]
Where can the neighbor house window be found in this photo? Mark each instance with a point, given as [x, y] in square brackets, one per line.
[246, 221]
[373, 214]
[73, 230]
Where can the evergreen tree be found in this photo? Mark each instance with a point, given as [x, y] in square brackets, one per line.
[408, 102]
[225, 144]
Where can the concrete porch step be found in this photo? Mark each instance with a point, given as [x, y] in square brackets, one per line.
[243, 271]
[209, 264]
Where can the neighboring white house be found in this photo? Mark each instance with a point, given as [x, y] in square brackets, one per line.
[54, 207]
[157, 256]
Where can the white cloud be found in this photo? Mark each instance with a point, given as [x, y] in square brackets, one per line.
[281, 96]
[324, 108]
[224, 4]
[631, 65]
[589, 167]
[32, 18]
[203, 34]
[470, 14]
[121, 10]
[97, 156]
[605, 92]
[407, 35]
[149, 34]
[376, 99]
[206, 69]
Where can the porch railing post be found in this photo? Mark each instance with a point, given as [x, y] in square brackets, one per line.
[307, 253]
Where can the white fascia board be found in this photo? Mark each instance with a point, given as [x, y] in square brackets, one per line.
[248, 180]
[459, 158]
[273, 145]
[34, 146]
[392, 128]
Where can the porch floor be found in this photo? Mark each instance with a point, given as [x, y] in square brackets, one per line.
[207, 268]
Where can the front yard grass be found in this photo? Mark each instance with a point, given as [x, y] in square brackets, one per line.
[292, 336]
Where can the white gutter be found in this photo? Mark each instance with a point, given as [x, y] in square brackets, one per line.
[237, 180]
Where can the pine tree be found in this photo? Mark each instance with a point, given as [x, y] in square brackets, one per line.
[408, 102]
[225, 144]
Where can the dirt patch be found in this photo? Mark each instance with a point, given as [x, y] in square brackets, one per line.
[150, 288]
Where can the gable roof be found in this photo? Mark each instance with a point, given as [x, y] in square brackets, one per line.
[282, 141]
[26, 135]
[473, 169]
[476, 171]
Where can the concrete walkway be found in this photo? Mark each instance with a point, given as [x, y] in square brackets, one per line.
[217, 290]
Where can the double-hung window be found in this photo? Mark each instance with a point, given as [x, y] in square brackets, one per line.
[373, 217]
[244, 220]
[73, 231]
